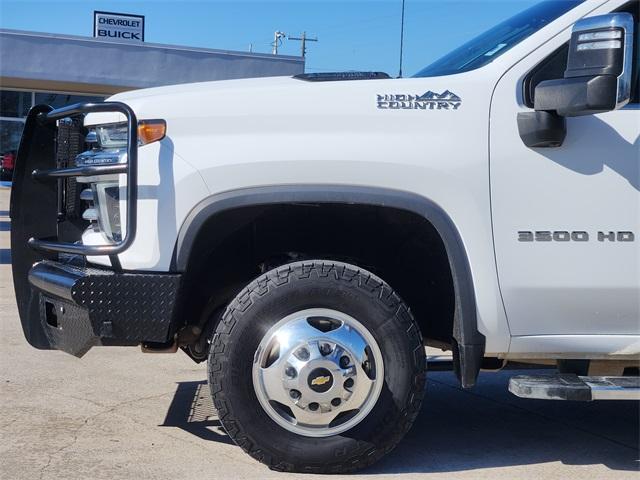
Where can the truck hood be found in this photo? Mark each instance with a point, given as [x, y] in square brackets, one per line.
[160, 95]
[288, 97]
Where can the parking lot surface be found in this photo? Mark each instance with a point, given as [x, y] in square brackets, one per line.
[119, 414]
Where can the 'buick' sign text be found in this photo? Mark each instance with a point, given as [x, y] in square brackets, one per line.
[118, 26]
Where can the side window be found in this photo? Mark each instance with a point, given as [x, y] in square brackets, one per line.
[555, 64]
[633, 8]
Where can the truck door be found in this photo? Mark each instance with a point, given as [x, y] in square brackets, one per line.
[566, 219]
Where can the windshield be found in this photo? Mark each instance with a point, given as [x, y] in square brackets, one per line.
[493, 43]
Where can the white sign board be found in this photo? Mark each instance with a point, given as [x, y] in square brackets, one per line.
[118, 26]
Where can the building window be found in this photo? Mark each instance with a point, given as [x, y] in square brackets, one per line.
[10, 133]
[14, 104]
[57, 100]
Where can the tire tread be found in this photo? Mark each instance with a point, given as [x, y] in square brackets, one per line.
[364, 454]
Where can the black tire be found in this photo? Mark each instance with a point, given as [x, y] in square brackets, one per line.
[317, 284]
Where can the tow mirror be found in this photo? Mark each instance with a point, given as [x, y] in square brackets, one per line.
[598, 74]
[597, 79]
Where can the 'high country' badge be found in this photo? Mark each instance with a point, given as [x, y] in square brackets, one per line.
[428, 101]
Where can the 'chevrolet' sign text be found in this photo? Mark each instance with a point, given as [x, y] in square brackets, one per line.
[118, 26]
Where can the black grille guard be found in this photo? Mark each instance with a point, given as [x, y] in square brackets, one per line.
[39, 231]
[45, 115]
[63, 302]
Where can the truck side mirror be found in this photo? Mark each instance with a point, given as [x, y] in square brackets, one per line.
[598, 74]
[597, 79]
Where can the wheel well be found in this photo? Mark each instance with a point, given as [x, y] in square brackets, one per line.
[235, 246]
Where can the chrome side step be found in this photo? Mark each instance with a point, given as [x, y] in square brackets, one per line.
[574, 387]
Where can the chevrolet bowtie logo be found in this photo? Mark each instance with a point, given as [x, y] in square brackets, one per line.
[321, 380]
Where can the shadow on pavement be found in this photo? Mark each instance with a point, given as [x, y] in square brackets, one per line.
[467, 430]
[192, 411]
[488, 427]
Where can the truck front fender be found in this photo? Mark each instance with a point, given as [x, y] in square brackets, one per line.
[469, 342]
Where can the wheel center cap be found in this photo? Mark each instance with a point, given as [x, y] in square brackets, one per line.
[320, 380]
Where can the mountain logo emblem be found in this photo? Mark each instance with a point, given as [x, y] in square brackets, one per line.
[429, 100]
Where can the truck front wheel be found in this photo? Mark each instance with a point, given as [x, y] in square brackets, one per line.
[317, 366]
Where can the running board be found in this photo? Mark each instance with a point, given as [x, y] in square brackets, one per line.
[574, 387]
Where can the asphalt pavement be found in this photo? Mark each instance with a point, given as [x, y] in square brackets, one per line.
[121, 414]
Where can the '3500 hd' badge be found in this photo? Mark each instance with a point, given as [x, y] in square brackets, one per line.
[427, 101]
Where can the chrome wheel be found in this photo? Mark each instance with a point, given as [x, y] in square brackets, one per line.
[318, 372]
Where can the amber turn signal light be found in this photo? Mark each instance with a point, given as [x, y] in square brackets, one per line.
[150, 131]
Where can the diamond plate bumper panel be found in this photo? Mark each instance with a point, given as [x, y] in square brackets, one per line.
[81, 307]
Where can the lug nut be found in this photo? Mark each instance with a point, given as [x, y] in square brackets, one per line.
[344, 362]
[325, 349]
[313, 406]
[290, 372]
[348, 383]
[303, 354]
[336, 402]
[295, 394]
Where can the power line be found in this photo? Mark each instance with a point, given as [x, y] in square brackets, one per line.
[304, 39]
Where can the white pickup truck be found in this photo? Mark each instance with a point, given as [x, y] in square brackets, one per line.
[310, 235]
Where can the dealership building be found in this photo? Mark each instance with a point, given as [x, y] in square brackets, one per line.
[63, 69]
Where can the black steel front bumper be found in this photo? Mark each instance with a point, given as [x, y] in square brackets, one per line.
[64, 303]
[81, 307]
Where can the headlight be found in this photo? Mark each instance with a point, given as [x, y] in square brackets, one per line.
[102, 197]
[107, 196]
[112, 135]
[106, 209]
[102, 201]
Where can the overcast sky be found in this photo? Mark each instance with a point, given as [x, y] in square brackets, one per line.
[353, 34]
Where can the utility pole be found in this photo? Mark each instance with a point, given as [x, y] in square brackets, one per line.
[304, 39]
[277, 36]
[401, 39]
